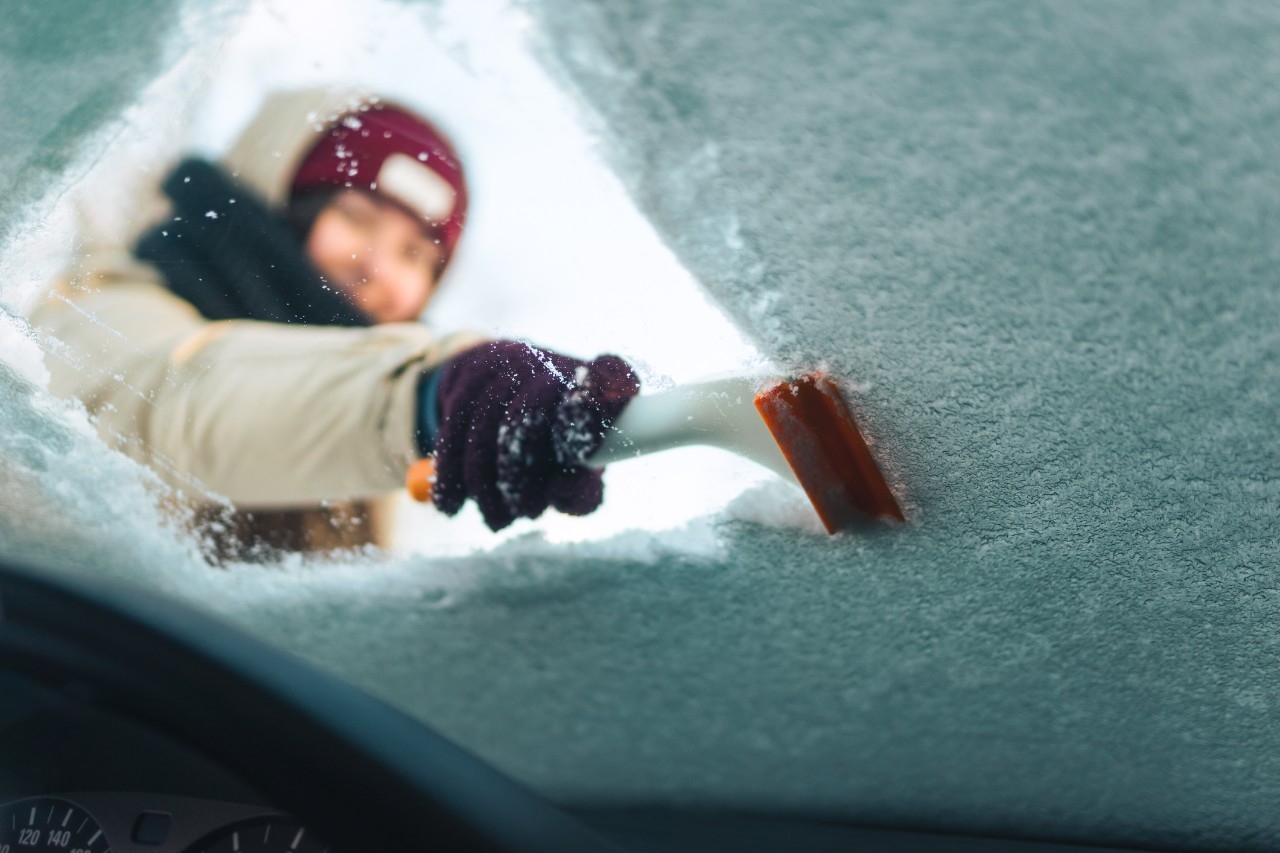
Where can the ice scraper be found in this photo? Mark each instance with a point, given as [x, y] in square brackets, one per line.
[803, 430]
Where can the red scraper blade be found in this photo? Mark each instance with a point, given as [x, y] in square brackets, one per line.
[821, 441]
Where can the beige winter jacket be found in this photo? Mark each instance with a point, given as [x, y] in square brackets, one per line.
[264, 414]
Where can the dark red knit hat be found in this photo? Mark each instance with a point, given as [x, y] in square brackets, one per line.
[396, 155]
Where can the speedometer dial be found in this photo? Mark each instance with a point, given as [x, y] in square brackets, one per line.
[49, 824]
[265, 836]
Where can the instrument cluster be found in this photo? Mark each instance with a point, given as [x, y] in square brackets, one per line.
[126, 822]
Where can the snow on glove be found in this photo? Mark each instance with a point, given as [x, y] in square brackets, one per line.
[517, 425]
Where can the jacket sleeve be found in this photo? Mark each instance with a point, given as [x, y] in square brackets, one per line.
[264, 414]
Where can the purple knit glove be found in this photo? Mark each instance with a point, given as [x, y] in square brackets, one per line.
[517, 426]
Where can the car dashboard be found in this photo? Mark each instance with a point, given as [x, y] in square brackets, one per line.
[129, 723]
[77, 778]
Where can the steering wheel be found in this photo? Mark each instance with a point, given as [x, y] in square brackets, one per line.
[364, 775]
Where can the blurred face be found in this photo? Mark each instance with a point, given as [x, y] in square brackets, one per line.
[375, 254]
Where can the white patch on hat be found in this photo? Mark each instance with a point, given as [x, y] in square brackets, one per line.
[418, 186]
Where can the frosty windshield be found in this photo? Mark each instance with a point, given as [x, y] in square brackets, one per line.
[1034, 244]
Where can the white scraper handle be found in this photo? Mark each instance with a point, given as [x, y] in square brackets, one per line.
[720, 413]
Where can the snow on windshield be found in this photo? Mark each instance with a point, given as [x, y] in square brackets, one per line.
[1038, 243]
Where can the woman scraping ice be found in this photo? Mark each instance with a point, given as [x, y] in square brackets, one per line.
[259, 340]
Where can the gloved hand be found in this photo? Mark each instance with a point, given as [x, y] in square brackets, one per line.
[517, 425]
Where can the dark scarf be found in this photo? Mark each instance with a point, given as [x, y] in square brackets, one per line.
[231, 257]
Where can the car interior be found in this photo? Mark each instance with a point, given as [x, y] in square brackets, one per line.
[129, 722]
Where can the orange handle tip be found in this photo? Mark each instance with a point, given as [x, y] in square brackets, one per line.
[419, 480]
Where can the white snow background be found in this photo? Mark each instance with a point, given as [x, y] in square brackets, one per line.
[1041, 240]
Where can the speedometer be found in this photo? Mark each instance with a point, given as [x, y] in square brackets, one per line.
[263, 836]
[49, 824]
